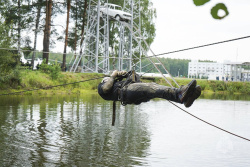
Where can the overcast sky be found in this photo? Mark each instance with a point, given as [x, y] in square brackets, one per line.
[180, 24]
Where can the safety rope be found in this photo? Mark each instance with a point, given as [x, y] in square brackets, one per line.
[209, 123]
[48, 87]
[196, 47]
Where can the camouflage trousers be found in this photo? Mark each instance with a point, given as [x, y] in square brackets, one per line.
[137, 93]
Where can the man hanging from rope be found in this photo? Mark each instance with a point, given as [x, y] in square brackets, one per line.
[133, 91]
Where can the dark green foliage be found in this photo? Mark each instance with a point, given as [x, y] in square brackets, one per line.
[53, 70]
[217, 86]
[200, 2]
[8, 59]
[203, 85]
[216, 8]
[231, 87]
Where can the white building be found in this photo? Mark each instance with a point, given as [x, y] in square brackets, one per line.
[220, 71]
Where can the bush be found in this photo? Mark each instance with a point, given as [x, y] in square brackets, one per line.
[230, 87]
[53, 70]
[203, 85]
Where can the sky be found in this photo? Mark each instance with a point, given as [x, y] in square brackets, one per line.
[180, 24]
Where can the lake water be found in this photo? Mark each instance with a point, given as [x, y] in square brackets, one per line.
[77, 131]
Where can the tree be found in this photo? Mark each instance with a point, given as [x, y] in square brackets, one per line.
[83, 21]
[173, 66]
[74, 33]
[38, 7]
[66, 37]
[16, 13]
[79, 10]
[47, 31]
[8, 61]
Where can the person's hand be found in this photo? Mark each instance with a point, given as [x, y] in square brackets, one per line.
[114, 74]
[118, 73]
[121, 73]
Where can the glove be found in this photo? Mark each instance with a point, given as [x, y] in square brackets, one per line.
[114, 74]
[121, 73]
[118, 73]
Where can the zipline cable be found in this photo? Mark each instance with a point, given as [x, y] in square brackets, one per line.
[196, 47]
[47, 87]
[209, 123]
[156, 55]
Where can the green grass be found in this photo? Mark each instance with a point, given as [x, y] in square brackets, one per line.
[37, 79]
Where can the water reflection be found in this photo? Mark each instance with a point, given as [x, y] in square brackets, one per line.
[70, 131]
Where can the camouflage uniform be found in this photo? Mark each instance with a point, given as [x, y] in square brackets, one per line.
[135, 92]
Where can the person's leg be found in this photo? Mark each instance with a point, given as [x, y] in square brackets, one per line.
[142, 92]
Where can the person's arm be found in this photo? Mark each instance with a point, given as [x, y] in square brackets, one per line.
[107, 86]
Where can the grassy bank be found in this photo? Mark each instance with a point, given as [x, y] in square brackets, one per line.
[36, 79]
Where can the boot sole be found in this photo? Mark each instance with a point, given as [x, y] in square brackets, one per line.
[193, 97]
[189, 91]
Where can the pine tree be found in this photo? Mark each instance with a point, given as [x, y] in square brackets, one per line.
[47, 31]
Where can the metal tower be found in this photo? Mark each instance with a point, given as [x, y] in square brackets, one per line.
[95, 47]
[129, 54]
[96, 55]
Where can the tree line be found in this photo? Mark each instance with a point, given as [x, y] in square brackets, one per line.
[176, 67]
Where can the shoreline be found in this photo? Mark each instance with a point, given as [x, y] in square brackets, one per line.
[38, 80]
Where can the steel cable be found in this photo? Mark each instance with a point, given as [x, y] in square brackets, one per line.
[196, 47]
[48, 87]
[209, 123]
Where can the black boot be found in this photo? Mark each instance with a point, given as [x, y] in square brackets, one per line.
[186, 91]
[193, 97]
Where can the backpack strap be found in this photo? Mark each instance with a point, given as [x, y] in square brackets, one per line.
[132, 77]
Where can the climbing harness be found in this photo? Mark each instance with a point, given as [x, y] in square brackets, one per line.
[131, 77]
